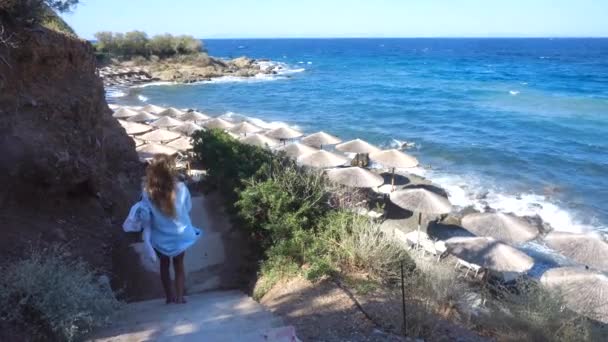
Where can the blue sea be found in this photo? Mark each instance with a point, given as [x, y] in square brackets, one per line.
[519, 125]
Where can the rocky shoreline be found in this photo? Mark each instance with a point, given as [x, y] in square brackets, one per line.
[188, 69]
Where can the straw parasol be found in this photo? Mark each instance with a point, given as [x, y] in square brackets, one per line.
[194, 116]
[490, 253]
[172, 112]
[133, 128]
[142, 117]
[187, 128]
[296, 150]
[322, 159]
[150, 108]
[259, 140]
[394, 159]
[124, 113]
[422, 201]
[166, 121]
[181, 144]
[160, 135]
[319, 139]
[149, 150]
[137, 142]
[583, 291]
[503, 227]
[587, 249]
[217, 123]
[284, 133]
[244, 128]
[355, 177]
[357, 146]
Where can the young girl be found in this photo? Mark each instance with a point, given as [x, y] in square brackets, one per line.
[171, 231]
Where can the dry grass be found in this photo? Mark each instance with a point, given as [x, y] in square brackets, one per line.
[54, 297]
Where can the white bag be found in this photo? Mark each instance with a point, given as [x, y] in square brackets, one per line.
[133, 223]
[138, 220]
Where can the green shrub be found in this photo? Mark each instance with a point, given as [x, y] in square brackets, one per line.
[52, 296]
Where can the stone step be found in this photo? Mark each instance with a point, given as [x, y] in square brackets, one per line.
[229, 314]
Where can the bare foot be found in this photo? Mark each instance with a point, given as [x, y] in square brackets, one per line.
[170, 300]
[181, 300]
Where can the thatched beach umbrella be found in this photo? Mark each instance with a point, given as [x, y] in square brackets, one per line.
[194, 116]
[583, 291]
[149, 150]
[259, 140]
[123, 112]
[137, 142]
[587, 249]
[296, 150]
[166, 121]
[319, 139]
[159, 135]
[142, 117]
[187, 128]
[133, 128]
[422, 201]
[357, 146]
[490, 253]
[355, 177]
[284, 133]
[503, 227]
[172, 112]
[394, 159]
[217, 123]
[150, 108]
[245, 128]
[322, 159]
[181, 144]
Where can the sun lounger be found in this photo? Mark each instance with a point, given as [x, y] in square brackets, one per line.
[422, 241]
[469, 266]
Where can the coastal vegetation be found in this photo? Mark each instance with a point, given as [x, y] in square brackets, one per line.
[305, 227]
[138, 44]
[52, 296]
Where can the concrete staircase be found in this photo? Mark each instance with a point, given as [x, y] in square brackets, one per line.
[223, 316]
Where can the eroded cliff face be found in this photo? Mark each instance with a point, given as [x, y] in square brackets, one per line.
[68, 171]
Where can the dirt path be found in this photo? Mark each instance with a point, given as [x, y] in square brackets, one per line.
[321, 312]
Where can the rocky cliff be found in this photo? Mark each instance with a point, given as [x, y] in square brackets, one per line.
[68, 171]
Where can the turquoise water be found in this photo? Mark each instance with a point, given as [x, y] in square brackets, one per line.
[519, 125]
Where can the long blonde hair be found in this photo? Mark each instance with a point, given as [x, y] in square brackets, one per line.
[160, 183]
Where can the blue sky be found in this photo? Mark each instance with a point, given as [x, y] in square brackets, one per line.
[344, 18]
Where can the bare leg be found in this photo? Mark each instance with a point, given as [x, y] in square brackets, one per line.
[180, 278]
[165, 277]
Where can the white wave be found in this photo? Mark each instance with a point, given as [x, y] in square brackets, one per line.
[235, 117]
[142, 98]
[114, 93]
[514, 92]
[481, 195]
[402, 144]
[152, 84]
[309, 63]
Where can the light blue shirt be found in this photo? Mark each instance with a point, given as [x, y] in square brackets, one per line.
[171, 236]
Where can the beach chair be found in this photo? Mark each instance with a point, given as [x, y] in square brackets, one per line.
[470, 267]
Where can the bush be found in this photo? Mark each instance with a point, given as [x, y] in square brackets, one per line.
[52, 296]
[357, 243]
[528, 312]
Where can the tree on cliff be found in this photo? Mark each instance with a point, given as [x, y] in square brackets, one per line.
[33, 11]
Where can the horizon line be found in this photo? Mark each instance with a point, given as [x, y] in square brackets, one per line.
[416, 37]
